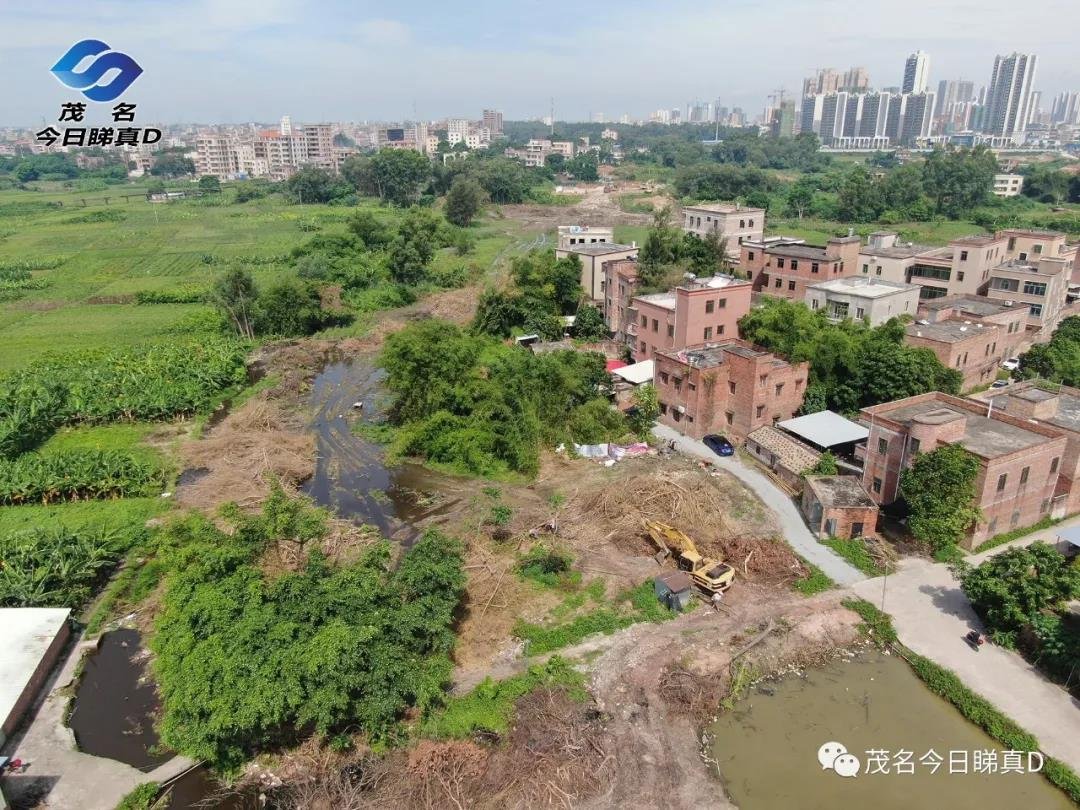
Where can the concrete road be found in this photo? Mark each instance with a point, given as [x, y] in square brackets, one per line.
[791, 522]
[931, 615]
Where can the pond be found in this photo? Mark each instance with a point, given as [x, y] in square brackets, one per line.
[351, 477]
[767, 748]
[116, 704]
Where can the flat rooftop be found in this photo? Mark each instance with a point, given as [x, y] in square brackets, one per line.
[976, 239]
[984, 437]
[840, 490]
[947, 331]
[598, 249]
[724, 208]
[896, 251]
[1066, 416]
[864, 287]
[28, 634]
[713, 283]
[665, 300]
[969, 304]
[710, 355]
[799, 251]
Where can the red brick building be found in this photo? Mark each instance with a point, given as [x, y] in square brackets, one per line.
[784, 267]
[729, 388]
[838, 506]
[695, 312]
[1020, 460]
[620, 287]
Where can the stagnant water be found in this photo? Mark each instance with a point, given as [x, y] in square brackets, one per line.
[116, 703]
[767, 747]
[351, 477]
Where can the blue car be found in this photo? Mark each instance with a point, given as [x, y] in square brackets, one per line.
[719, 445]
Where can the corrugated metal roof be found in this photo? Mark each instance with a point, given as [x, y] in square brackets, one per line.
[825, 429]
[637, 373]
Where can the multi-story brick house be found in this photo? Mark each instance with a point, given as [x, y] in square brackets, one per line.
[592, 258]
[785, 267]
[860, 298]
[730, 221]
[1020, 461]
[1058, 406]
[980, 309]
[974, 349]
[726, 387]
[620, 287]
[696, 311]
[1041, 285]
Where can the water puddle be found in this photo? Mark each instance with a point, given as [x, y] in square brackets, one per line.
[191, 475]
[116, 704]
[351, 476]
[767, 748]
[199, 790]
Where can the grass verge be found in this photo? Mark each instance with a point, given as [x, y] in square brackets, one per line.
[854, 550]
[814, 582]
[141, 798]
[1016, 534]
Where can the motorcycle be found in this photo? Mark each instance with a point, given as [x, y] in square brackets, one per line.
[975, 639]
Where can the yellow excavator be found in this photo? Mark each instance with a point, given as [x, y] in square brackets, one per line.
[712, 576]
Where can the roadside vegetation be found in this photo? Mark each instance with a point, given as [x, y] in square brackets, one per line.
[1021, 594]
[939, 488]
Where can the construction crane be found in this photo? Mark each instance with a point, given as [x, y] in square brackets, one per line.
[712, 576]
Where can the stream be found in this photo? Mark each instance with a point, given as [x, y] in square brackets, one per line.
[767, 748]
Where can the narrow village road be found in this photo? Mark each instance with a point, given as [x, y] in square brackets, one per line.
[932, 615]
[795, 531]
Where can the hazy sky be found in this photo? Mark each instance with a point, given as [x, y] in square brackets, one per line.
[238, 60]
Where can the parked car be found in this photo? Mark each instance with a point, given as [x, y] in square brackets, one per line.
[719, 445]
[1012, 364]
[999, 383]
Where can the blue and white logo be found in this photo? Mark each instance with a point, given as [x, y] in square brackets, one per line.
[87, 79]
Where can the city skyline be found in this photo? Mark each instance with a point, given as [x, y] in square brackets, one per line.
[348, 65]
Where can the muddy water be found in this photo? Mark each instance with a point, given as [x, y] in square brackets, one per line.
[351, 477]
[116, 704]
[198, 789]
[767, 748]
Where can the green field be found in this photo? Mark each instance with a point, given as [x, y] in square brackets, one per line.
[97, 250]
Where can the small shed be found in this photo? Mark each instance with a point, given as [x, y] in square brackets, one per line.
[786, 456]
[838, 506]
[674, 589]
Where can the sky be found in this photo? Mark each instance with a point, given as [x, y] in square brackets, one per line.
[234, 61]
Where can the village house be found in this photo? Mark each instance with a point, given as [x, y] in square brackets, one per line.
[620, 287]
[696, 311]
[573, 235]
[784, 267]
[974, 349]
[838, 506]
[592, 258]
[784, 455]
[729, 221]
[1010, 319]
[726, 387]
[858, 298]
[1020, 460]
[1058, 406]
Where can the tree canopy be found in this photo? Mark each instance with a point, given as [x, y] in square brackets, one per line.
[939, 488]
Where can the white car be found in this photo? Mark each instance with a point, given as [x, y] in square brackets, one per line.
[1012, 364]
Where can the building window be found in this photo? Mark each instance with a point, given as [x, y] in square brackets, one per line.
[730, 417]
[655, 325]
[877, 270]
[742, 223]
[779, 283]
[644, 349]
[663, 409]
[1034, 288]
[780, 261]
[720, 329]
[960, 276]
[877, 485]
[814, 304]
[691, 386]
[760, 411]
[794, 264]
[914, 446]
[779, 388]
[882, 446]
[1036, 309]
[708, 333]
[1036, 249]
[798, 385]
[813, 267]
[710, 306]
[644, 321]
[992, 528]
[856, 529]
[1045, 505]
[751, 223]
[763, 379]
[791, 285]
[963, 255]
[731, 387]
[1024, 475]
[1054, 465]
[722, 303]
[1014, 520]
[866, 268]
[750, 256]
[1001, 482]
[671, 330]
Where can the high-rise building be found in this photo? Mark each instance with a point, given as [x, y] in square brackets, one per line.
[1065, 109]
[1008, 101]
[493, 121]
[855, 80]
[954, 98]
[916, 117]
[782, 121]
[916, 73]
